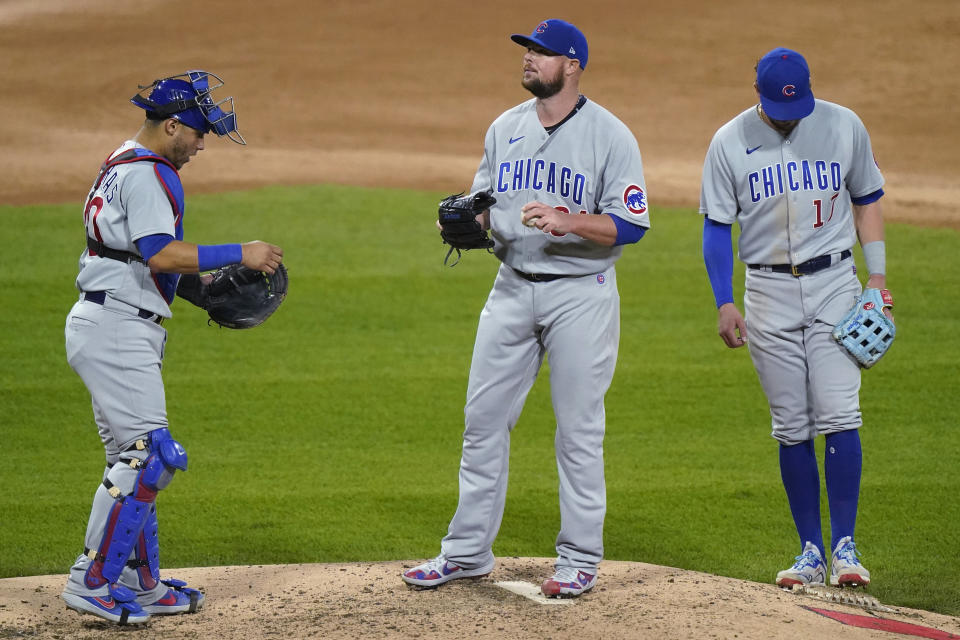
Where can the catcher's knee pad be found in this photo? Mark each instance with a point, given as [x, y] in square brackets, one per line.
[154, 461]
[166, 456]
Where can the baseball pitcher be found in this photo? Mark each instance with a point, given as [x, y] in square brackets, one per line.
[566, 192]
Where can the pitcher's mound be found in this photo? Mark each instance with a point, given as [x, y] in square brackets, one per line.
[364, 600]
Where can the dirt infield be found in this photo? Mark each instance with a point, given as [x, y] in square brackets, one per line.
[365, 92]
[632, 600]
[379, 93]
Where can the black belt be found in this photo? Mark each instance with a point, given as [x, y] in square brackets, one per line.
[805, 268]
[541, 277]
[99, 297]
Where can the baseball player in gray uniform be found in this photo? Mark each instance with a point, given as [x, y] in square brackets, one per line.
[568, 180]
[129, 274]
[799, 176]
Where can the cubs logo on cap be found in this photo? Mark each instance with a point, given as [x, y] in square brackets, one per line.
[783, 82]
[558, 36]
[635, 200]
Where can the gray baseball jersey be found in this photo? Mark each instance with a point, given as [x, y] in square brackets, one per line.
[790, 195]
[589, 165]
[128, 204]
[792, 198]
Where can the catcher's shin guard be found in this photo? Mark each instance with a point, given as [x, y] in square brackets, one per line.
[156, 595]
[146, 560]
[152, 462]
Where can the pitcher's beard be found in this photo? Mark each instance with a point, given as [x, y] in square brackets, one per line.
[544, 90]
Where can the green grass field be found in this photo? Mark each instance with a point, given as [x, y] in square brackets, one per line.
[333, 432]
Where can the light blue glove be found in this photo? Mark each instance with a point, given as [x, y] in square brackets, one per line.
[866, 332]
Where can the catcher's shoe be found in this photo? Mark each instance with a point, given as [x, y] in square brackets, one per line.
[178, 599]
[435, 572]
[118, 605]
[568, 582]
[845, 569]
[809, 568]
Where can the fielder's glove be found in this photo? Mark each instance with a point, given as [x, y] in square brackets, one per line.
[237, 297]
[866, 332]
[458, 222]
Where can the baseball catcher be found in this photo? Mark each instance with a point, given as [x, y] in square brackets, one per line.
[236, 297]
[129, 273]
[866, 331]
[458, 223]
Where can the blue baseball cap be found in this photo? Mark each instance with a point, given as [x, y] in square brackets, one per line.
[558, 36]
[783, 81]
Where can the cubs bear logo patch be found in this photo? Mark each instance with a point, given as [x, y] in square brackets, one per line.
[635, 200]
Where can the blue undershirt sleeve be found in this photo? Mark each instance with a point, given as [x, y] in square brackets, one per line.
[150, 246]
[867, 199]
[627, 233]
[718, 257]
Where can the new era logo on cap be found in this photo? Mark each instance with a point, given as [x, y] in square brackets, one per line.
[558, 36]
[783, 81]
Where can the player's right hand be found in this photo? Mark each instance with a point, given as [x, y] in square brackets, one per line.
[261, 256]
[731, 326]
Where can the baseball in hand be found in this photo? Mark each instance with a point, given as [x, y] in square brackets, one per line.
[532, 222]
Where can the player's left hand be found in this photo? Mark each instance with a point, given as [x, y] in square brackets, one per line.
[546, 218]
[879, 281]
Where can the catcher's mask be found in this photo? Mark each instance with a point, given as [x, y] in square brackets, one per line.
[186, 97]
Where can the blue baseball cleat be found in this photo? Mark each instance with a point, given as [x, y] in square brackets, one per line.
[845, 568]
[178, 599]
[808, 569]
[119, 605]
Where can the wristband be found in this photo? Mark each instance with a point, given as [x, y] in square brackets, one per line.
[214, 256]
[875, 255]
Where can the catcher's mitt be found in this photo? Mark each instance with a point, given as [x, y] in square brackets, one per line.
[237, 297]
[458, 222]
[866, 332]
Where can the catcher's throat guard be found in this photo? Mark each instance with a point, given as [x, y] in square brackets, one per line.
[866, 331]
[187, 98]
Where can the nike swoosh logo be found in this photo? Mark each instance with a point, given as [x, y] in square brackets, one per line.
[512, 140]
[749, 151]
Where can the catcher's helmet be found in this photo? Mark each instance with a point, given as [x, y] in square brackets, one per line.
[186, 97]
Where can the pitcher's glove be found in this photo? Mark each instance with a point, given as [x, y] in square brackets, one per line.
[866, 332]
[237, 297]
[458, 222]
